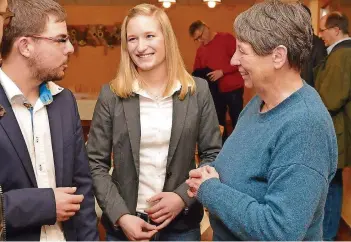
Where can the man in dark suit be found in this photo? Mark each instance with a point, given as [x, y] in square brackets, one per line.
[44, 172]
[5, 17]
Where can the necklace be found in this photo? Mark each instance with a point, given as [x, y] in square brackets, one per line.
[156, 95]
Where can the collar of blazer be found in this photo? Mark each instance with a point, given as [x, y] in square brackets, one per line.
[131, 108]
[15, 136]
[138, 89]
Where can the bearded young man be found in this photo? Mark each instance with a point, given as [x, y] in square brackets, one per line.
[45, 176]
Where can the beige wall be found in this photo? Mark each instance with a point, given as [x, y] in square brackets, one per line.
[90, 68]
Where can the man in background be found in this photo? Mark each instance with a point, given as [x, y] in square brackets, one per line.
[318, 54]
[45, 176]
[213, 59]
[333, 83]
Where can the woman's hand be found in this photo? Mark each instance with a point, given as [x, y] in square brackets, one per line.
[198, 176]
[167, 205]
[135, 228]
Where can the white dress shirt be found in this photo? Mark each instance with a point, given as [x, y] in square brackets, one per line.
[156, 126]
[35, 129]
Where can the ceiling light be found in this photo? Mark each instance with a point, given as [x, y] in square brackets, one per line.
[212, 3]
[166, 3]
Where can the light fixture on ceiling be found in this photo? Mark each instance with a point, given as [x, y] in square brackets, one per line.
[166, 3]
[212, 3]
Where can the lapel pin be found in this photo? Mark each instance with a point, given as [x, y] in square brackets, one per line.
[2, 111]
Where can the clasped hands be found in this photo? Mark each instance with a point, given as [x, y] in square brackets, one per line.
[165, 207]
[198, 176]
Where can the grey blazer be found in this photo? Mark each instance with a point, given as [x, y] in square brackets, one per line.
[116, 128]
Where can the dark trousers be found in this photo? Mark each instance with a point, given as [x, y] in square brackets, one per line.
[332, 210]
[234, 100]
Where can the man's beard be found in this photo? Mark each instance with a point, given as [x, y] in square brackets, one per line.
[45, 74]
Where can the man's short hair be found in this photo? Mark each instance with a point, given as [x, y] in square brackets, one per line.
[195, 26]
[337, 19]
[30, 18]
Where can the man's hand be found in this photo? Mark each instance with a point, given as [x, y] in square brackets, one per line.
[67, 204]
[135, 228]
[215, 75]
[167, 205]
[198, 176]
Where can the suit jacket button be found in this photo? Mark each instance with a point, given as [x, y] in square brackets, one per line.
[168, 174]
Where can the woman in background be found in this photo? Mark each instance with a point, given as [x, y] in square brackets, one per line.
[150, 118]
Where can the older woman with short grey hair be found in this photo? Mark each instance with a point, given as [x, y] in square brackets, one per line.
[270, 181]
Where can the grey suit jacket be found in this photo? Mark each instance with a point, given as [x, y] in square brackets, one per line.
[116, 127]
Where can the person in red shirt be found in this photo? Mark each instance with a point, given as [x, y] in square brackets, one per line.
[215, 53]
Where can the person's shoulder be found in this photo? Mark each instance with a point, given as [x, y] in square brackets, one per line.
[107, 89]
[200, 49]
[317, 41]
[307, 125]
[225, 35]
[107, 93]
[65, 95]
[339, 58]
[201, 84]
[318, 44]
[310, 111]
[341, 53]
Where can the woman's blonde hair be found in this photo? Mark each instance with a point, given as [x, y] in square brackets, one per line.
[127, 72]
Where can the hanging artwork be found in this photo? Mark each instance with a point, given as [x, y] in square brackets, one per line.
[107, 36]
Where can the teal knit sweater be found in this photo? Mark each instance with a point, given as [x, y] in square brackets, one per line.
[274, 172]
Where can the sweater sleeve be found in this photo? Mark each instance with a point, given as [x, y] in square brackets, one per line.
[297, 183]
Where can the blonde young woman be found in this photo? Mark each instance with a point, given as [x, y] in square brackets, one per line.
[150, 118]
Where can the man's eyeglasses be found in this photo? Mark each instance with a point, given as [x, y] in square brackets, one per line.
[7, 16]
[61, 40]
[200, 36]
[322, 30]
